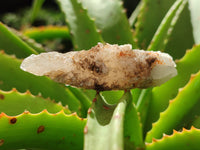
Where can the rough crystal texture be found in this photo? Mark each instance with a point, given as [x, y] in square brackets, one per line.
[104, 67]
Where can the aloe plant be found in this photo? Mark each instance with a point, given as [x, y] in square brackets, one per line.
[38, 113]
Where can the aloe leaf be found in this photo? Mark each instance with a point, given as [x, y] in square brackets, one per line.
[143, 103]
[43, 131]
[32, 43]
[150, 17]
[12, 76]
[160, 98]
[177, 109]
[84, 100]
[159, 42]
[181, 39]
[111, 20]
[185, 140]
[89, 93]
[196, 122]
[47, 32]
[14, 103]
[82, 27]
[191, 119]
[195, 15]
[133, 18]
[37, 4]
[132, 128]
[105, 124]
[165, 28]
[112, 97]
[12, 44]
[135, 94]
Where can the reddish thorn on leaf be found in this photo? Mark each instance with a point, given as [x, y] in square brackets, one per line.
[89, 110]
[174, 131]
[154, 140]
[97, 92]
[106, 107]
[184, 129]
[193, 128]
[94, 100]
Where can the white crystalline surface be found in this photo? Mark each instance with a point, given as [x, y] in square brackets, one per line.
[104, 67]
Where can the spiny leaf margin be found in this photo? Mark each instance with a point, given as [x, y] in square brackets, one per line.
[185, 140]
[45, 130]
[14, 103]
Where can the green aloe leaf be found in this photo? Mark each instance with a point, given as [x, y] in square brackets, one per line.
[112, 97]
[82, 27]
[37, 4]
[195, 15]
[165, 28]
[132, 128]
[196, 121]
[185, 140]
[104, 128]
[160, 98]
[31, 42]
[135, 94]
[111, 20]
[178, 108]
[191, 119]
[12, 44]
[159, 42]
[14, 103]
[43, 131]
[89, 93]
[47, 33]
[150, 17]
[133, 18]
[12, 76]
[143, 103]
[180, 38]
[82, 97]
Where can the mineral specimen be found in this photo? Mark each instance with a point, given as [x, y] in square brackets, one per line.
[104, 67]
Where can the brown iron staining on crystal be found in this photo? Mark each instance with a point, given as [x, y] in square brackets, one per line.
[104, 67]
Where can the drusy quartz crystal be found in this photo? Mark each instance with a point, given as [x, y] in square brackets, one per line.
[104, 67]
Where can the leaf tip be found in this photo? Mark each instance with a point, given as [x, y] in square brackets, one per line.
[89, 111]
